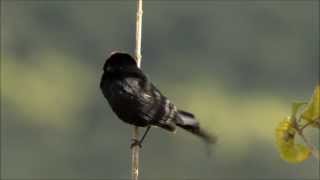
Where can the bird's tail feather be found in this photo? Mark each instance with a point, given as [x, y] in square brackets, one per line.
[188, 122]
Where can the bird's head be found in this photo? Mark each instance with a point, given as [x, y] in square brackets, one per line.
[119, 61]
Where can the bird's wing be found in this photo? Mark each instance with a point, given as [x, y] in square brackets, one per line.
[151, 105]
[158, 107]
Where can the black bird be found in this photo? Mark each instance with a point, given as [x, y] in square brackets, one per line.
[135, 100]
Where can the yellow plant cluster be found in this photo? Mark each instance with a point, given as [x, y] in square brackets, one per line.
[287, 129]
[312, 112]
[288, 149]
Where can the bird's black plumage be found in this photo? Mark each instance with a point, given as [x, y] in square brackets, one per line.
[135, 100]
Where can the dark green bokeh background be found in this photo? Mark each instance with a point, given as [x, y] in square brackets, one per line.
[237, 65]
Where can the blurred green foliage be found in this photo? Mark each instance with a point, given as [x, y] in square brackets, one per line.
[48, 92]
[303, 116]
[236, 65]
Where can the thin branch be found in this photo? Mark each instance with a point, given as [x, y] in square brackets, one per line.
[305, 125]
[315, 152]
[135, 155]
[139, 32]
[136, 148]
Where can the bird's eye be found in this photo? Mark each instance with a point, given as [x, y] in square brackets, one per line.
[108, 68]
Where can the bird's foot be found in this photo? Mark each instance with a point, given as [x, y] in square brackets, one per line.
[135, 142]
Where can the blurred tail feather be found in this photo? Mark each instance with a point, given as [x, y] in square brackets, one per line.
[188, 122]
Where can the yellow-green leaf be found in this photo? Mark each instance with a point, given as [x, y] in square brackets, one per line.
[288, 149]
[312, 111]
[295, 154]
[295, 108]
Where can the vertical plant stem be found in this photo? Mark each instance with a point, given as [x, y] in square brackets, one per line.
[139, 32]
[135, 149]
[135, 155]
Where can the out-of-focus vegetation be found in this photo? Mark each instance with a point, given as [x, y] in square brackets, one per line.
[289, 150]
[297, 124]
[48, 92]
[236, 65]
[312, 112]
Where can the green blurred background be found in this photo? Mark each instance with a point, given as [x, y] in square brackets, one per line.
[237, 65]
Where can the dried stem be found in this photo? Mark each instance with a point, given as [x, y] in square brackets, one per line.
[304, 126]
[315, 152]
[136, 148]
[135, 155]
[139, 32]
